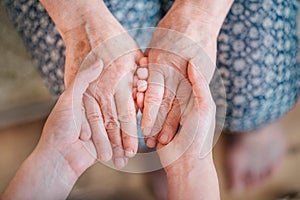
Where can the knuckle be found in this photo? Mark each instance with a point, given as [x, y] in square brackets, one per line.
[94, 117]
[112, 124]
[166, 103]
[116, 147]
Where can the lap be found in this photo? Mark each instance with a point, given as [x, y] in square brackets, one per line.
[258, 61]
[257, 52]
[47, 48]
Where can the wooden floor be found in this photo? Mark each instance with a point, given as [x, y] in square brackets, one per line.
[100, 182]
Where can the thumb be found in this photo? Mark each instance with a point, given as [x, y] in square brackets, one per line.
[85, 76]
[206, 108]
[73, 96]
[200, 87]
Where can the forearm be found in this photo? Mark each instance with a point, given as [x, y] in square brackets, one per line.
[193, 180]
[211, 11]
[43, 175]
[83, 25]
[70, 15]
[202, 14]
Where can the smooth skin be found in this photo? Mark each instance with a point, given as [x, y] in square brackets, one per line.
[61, 156]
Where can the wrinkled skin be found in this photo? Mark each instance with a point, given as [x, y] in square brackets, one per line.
[175, 43]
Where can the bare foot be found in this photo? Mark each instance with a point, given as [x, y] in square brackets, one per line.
[253, 157]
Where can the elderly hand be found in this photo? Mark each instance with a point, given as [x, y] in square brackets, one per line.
[109, 106]
[187, 159]
[182, 36]
[114, 94]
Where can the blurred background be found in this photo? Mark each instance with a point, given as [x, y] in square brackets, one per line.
[25, 104]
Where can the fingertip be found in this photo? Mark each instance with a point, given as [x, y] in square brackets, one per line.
[120, 162]
[142, 85]
[163, 139]
[142, 73]
[85, 135]
[151, 142]
[129, 153]
[143, 61]
[106, 156]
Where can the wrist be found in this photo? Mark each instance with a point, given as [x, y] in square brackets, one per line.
[183, 179]
[202, 16]
[71, 18]
[187, 163]
[43, 175]
[60, 169]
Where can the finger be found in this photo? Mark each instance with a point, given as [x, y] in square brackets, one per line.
[143, 62]
[205, 65]
[185, 98]
[142, 73]
[177, 112]
[140, 100]
[85, 132]
[146, 53]
[151, 141]
[112, 126]
[99, 136]
[127, 115]
[74, 93]
[171, 124]
[85, 76]
[135, 80]
[206, 108]
[134, 93]
[200, 88]
[152, 100]
[142, 85]
[166, 104]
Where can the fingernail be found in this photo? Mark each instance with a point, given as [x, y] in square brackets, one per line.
[164, 139]
[129, 153]
[142, 73]
[105, 157]
[142, 85]
[119, 163]
[151, 143]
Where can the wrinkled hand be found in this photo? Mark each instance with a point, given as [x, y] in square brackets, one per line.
[108, 104]
[114, 94]
[188, 157]
[195, 138]
[178, 39]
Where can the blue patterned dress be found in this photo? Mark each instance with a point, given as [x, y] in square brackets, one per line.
[257, 52]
